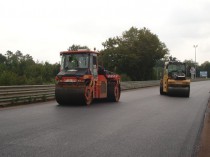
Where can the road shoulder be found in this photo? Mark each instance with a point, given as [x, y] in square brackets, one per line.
[204, 146]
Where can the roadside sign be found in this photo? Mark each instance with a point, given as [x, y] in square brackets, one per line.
[203, 73]
[192, 70]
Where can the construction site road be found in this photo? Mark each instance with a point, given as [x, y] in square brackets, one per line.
[142, 124]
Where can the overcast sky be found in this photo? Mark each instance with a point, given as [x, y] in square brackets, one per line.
[43, 28]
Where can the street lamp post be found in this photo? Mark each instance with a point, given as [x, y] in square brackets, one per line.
[195, 46]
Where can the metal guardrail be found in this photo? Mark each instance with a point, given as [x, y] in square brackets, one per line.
[138, 84]
[10, 95]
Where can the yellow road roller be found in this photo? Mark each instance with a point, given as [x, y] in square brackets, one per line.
[174, 80]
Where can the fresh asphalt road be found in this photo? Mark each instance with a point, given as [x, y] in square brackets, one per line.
[142, 124]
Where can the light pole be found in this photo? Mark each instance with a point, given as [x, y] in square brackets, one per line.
[195, 46]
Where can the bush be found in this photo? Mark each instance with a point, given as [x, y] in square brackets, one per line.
[125, 77]
[8, 78]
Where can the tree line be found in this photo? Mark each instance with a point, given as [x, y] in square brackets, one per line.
[134, 54]
[137, 55]
[19, 69]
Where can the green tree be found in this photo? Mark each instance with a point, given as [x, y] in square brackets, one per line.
[19, 69]
[2, 59]
[76, 47]
[171, 58]
[134, 53]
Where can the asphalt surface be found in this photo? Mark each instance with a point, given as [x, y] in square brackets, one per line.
[142, 124]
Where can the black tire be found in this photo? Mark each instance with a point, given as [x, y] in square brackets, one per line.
[113, 92]
[59, 100]
[188, 93]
